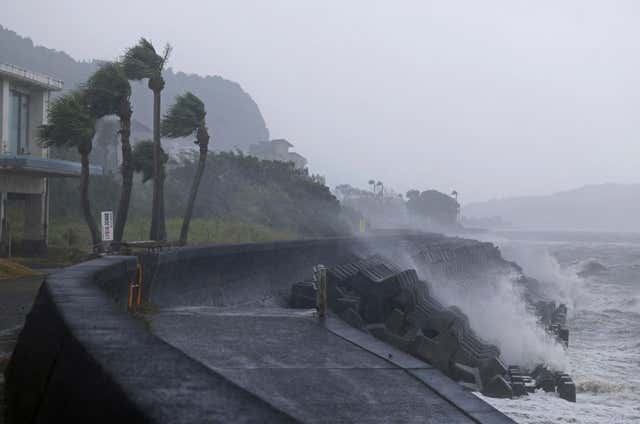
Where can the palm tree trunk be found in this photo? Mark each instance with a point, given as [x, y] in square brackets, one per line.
[127, 174]
[84, 201]
[158, 231]
[202, 160]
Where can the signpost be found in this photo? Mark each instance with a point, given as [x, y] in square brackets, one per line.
[107, 226]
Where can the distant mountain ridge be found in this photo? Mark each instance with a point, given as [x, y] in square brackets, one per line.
[604, 207]
[233, 118]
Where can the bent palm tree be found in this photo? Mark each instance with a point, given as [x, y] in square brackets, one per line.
[184, 118]
[142, 159]
[71, 124]
[139, 62]
[109, 93]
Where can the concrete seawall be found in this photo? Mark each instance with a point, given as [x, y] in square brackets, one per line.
[82, 358]
[231, 275]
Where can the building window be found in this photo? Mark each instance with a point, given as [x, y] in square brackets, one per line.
[18, 123]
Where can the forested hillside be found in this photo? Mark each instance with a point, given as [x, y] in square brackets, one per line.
[235, 188]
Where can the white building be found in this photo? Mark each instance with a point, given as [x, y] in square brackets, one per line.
[277, 150]
[25, 167]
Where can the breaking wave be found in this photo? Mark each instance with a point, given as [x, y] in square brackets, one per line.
[557, 283]
[604, 320]
[499, 314]
[588, 268]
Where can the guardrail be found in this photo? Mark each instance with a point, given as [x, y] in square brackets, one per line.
[25, 74]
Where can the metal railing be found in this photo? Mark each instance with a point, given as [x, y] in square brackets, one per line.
[25, 74]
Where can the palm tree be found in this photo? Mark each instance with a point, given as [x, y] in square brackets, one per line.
[142, 159]
[139, 62]
[185, 117]
[71, 124]
[109, 93]
[380, 188]
[372, 183]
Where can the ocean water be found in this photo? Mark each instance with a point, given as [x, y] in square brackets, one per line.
[603, 356]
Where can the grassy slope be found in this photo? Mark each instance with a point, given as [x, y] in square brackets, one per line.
[202, 231]
[10, 269]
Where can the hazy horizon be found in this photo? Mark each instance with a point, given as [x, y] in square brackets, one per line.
[499, 99]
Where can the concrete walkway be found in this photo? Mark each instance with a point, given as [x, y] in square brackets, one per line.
[296, 364]
[16, 298]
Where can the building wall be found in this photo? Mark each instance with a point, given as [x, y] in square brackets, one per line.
[33, 187]
[37, 115]
[4, 113]
[13, 183]
[277, 150]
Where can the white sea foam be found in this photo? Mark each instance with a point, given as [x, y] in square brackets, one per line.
[603, 352]
[498, 313]
[558, 283]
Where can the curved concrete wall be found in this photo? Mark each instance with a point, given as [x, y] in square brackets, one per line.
[232, 275]
[81, 358]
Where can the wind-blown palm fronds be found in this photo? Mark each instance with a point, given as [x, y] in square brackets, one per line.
[107, 89]
[109, 93]
[71, 124]
[143, 159]
[186, 116]
[142, 61]
[139, 62]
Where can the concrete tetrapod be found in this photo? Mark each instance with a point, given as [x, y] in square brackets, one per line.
[376, 296]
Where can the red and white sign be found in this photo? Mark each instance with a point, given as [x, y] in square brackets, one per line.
[107, 226]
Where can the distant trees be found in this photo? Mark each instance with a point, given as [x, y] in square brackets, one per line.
[71, 124]
[272, 193]
[413, 194]
[380, 207]
[377, 187]
[346, 191]
[109, 93]
[142, 62]
[186, 117]
[385, 208]
[432, 204]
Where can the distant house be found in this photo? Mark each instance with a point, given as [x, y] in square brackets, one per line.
[25, 167]
[277, 150]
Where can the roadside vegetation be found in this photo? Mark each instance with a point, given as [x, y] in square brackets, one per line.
[11, 269]
[241, 199]
[72, 235]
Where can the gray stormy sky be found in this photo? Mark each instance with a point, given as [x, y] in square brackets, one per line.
[492, 98]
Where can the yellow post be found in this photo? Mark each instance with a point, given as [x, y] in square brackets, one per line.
[139, 285]
[130, 301]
